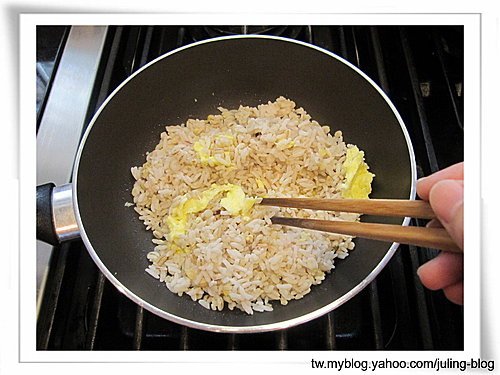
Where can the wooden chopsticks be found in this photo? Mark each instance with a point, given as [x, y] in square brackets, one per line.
[436, 238]
[379, 207]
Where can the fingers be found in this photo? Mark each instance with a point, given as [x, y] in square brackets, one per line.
[445, 192]
[455, 293]
[441, 272]
[424, 185]
[447, 200]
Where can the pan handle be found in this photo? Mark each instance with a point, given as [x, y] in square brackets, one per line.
[55, 217]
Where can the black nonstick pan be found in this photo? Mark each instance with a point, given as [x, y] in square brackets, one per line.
[192, 82]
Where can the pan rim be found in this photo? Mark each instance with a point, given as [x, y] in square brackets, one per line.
[251, 328]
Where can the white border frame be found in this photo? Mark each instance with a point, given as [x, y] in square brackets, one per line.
[27, 313]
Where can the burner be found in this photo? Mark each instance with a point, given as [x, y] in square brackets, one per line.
[200, 33]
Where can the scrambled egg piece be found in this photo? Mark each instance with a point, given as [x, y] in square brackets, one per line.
[234, 201]
[203, 149]
[357, 184]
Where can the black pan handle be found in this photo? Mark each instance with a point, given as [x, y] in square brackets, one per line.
[45, 229]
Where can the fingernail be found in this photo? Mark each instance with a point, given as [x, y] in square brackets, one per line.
[418, 271]
[434, 223]
[446, 196]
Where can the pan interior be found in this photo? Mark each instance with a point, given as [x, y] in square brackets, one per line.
[192, 83]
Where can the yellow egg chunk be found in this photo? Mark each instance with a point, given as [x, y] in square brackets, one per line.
[357, 184]
[177, 221]
[202, 149]
[176, 225]
[235, 202]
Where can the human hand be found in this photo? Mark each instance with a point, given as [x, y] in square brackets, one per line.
[445, 192]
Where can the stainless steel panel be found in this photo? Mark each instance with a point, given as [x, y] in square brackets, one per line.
[64, 118]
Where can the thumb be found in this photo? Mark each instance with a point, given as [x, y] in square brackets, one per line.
[447, 200]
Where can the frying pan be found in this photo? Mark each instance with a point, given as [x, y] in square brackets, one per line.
[191, 82]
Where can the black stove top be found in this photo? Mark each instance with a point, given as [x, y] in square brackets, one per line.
[421, 70]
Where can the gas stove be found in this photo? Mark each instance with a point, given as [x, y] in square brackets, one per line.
[421, 70]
